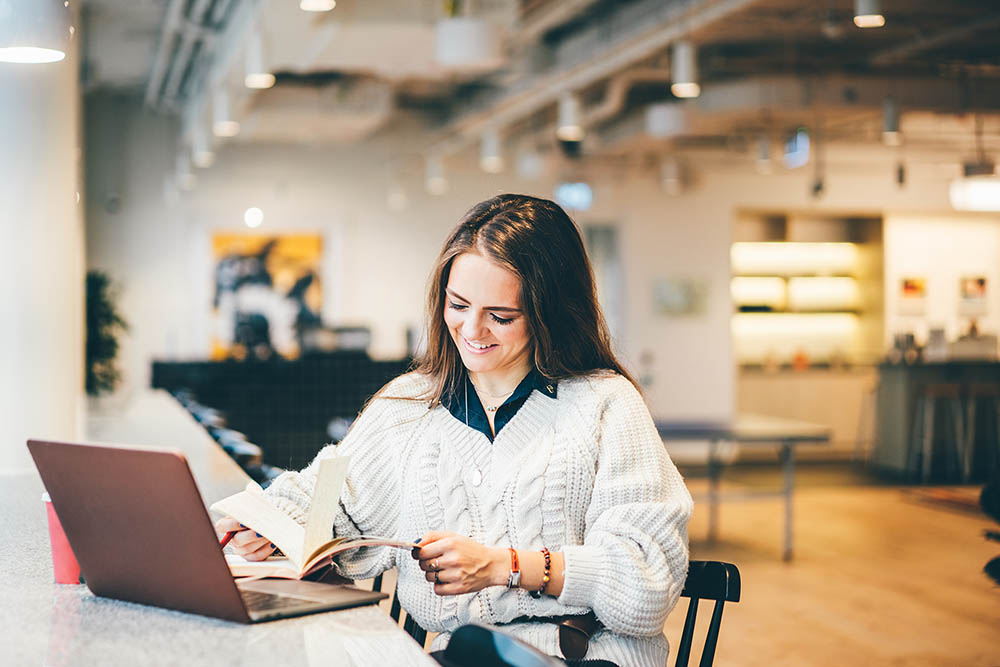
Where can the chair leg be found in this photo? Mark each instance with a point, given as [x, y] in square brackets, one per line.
[913, 461]
[708, 655]
[928, 444]
[687, 635]
[970, 439]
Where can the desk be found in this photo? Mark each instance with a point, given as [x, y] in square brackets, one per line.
[50, 624]
[753, 430]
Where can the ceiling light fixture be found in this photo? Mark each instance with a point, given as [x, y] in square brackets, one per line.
[202, 154]
[684, 70]
[186, 180]
[891, 136]
[34, 32]
[868, 14]
[256, 76]
[253, 217]
[317, 5]
[570, 127]
[434, 179]
[490, 159]
[979, 188]
[223, 123]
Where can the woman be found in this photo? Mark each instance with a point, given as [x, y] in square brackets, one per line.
[519, 451]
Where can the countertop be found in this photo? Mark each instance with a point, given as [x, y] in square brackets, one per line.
[42, 623]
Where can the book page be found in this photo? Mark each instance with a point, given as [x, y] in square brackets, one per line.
[341, 545]
[252, 510]
[325, 504]
[271, 567]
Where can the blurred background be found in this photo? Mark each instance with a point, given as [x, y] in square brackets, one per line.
[791, 206]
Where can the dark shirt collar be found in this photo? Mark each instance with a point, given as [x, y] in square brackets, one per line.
[465, 406]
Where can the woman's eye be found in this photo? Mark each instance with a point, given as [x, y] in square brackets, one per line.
[456, 306]
[501, 320]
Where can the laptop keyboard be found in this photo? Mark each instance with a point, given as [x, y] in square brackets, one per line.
[257, 601]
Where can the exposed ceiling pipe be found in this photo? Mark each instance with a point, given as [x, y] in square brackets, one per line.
[192, 32]
[549, 16]
[546, 89]
[161, 62]
[614, 96]
[897, 53]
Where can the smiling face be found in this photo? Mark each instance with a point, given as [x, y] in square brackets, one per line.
[482, 311]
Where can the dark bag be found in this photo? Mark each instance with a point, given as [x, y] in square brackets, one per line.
[574, 632]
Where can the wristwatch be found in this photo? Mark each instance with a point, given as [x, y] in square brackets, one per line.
[514, 580]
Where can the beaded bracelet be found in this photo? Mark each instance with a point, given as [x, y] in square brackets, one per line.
[545, 575]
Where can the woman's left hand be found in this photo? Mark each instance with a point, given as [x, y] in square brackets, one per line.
[457, 564]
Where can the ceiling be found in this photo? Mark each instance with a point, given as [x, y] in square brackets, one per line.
[368, 71]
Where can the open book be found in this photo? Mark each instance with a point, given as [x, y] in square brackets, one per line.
[307, 548]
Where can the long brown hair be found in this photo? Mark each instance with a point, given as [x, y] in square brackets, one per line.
[535, 240]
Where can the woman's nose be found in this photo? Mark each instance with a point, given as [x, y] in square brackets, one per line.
[472, 327]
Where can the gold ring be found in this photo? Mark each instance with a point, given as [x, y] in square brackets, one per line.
[434, 564]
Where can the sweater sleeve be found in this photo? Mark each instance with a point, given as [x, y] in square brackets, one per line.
[632, 564]
[369, 500]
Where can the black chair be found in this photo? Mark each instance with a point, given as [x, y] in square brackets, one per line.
[707, 580]
[410, 626]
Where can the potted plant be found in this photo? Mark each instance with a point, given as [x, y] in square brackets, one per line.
[104, 325]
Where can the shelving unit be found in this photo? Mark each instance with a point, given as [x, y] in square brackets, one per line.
[806, 287]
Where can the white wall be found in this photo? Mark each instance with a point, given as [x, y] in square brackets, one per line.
[376, 261]
[942, 249]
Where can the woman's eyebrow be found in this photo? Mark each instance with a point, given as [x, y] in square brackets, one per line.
[501, 309]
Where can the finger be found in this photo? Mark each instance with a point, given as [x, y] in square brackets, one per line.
[226, 524]
[261, 553]
[435, 549]
[449, 589]
[246, 538]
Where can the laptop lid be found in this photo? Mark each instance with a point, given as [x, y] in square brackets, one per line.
[139, 530]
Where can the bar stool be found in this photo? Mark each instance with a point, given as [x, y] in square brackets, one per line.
[980, 392]
[930, 399]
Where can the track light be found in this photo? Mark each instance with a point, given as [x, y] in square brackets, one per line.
[684, 70]
[223, 123]
[186, 180]
[33, 32]
[490, 159]
[317, 5]
[202, 154]
[868, 14]
[256, 76]
[570, 127]
[434, 179]
[891, 136]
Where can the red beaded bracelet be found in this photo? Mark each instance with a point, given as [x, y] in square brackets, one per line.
[545, 575]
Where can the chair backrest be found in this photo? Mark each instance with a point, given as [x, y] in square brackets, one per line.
[707, 580]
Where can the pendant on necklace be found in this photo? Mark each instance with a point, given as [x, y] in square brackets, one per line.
[491, 408]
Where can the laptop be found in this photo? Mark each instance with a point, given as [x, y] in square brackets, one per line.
[138, 527]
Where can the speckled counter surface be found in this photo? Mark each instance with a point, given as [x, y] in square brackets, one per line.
[42, 623]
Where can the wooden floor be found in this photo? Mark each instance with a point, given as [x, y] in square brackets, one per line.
[879, 578]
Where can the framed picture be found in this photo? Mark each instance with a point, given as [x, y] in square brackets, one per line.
[912, 295]
[267, 294]
[972, 295]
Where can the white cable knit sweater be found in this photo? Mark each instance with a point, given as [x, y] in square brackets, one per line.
[584, 473]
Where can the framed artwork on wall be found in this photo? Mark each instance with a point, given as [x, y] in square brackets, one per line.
[972, 295]
[267, 294]
[912, 295]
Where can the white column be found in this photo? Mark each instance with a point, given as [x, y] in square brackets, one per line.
[41, 256]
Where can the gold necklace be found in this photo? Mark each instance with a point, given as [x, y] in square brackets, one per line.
[491, 408]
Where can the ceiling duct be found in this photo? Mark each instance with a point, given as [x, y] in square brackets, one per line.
[338, 113]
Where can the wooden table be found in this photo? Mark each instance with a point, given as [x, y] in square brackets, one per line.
[752, 430]
[53, 624]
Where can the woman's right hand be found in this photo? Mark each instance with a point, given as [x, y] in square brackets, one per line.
[246, 543]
